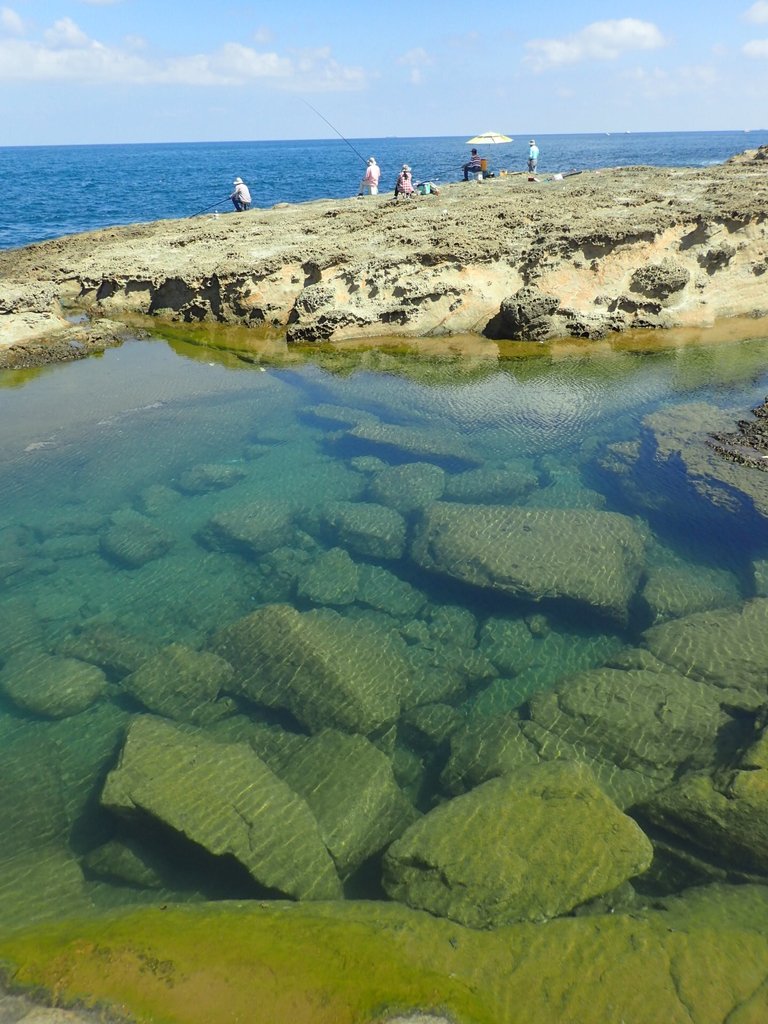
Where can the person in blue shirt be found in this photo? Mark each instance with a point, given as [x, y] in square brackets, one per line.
[533, 156]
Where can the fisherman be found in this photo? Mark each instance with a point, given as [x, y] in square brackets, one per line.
[473, 166]
[533, 156]
[404, 183]
[370, 178]
[241, 197]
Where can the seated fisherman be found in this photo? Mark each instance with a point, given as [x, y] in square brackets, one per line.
[473, 166]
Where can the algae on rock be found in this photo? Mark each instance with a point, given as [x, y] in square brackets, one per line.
[526, 847]
[225, 799]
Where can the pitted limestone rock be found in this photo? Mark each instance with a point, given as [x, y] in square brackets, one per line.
[592, 557]
[524, 848]
[224, 798]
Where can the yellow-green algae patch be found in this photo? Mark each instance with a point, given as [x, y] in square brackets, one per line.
[699, 960]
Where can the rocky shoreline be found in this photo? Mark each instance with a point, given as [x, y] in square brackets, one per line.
[509, 258]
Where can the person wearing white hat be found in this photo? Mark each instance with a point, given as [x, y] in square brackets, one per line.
[371, 178]
[241, 197]
[533, 156]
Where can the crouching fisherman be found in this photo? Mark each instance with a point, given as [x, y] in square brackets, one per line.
[241, 197]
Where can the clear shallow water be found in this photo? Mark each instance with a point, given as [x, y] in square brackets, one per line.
[146, 440]
[55, 190]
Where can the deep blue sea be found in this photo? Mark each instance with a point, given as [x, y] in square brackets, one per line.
[48, 191]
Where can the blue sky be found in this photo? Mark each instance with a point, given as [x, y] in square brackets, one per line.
[82, 71]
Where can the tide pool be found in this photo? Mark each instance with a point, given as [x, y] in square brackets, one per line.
[358, 588]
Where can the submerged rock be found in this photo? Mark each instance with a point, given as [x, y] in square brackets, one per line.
[727, 647]
[210, 477]
[592, 557]
[317, 665]
[254, 529]
[332, 578]
[48, 685]
[363, 527]
[407, 487]
[181, 683]
[349, 786]
[132, 540]
[524, 848]
[222, 797]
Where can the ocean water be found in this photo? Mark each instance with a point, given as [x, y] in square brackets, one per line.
[50, 191]
[156, 496]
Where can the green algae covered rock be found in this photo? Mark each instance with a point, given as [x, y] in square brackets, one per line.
[317, 665]
[698, 959]
[210, 477]
[485, 748]
[674, 591]
[225, 799]
[489, 485]
[332, 578]
[381, 589]
[647, 721]
[126, 863]
[523, 848]
[423, 443]
[132, 540]
[251, 529]
[362, 527]
[727, 647]
[181, 683]
[407, 487]
[725, 816]
[51, 686]
[117, 652]
[588, 556]
[349, 786]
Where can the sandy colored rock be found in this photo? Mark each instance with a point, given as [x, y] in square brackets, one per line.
[224, 798]
[528, 847]
[591, 557]
[334, 270]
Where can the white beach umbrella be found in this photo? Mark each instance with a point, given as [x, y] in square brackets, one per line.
[489, 139]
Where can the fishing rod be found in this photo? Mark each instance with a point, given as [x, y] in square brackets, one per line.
[355, 151]
[217, 203]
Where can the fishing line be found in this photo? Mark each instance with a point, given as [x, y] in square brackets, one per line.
[356, 152]
[217, 203]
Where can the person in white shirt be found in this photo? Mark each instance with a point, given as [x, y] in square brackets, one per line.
[241, 197]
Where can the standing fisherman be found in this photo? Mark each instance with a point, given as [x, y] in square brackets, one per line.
[533, 156]
[371, 178]
[241, 197]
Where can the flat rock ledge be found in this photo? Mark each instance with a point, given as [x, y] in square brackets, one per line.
[596, 252]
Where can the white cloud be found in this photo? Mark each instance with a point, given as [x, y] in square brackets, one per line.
[602, 40]
[65, 33]
[657, 83]
[10, 21]
[65, 53]
[756, 48]
[758, 12]
[416, 60]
